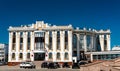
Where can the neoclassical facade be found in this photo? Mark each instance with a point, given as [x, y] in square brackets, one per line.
[41, 41]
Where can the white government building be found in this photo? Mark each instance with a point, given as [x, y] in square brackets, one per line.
[41, 41]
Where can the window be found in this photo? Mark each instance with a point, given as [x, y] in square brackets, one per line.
[66, 55]
[21, 40]
[21, 56]
[28, 55]
[58, 40]
[66, 40]
[13, 46]
[21, 46]
[50, 40]
[13, 55]
[28, 34]
[50, 55]
[21, 34]
[58, 55]
[14, 37]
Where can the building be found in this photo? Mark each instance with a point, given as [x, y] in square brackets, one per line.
[116, 48]
[41, 41]
[3, 53]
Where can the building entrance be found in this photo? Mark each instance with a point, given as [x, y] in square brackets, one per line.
[39, 56]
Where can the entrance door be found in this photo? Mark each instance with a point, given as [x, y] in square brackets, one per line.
[39, 56]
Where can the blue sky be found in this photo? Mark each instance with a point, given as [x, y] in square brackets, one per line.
[96, 14]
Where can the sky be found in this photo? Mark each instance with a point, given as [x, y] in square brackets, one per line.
[95, 14]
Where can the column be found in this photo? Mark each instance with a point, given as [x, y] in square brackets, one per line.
[17, 45]
[46, 45]
[92, 41]
[101, 37]
[108, 42]
[85, 43]
[32, 46]
[78, 46]
[62, 44]
[91, 57]
[54, 41]
[10, 46]
[24, 45]
[70, 44]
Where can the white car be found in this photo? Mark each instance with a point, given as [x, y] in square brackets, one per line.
[27, 65]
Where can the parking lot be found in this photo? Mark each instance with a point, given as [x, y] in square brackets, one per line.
[17, 68]
[102, 66]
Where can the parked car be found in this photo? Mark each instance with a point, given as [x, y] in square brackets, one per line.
[65, 65]
[1, 63]
[44, 65]
[52, 65]
[22, 64]
[57, 65]
[27, 65]
[75, 66]
[82, 63]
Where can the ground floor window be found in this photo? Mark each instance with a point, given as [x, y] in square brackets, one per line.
[28, 55]
[66, 55]
[21, 56]
[58, 55]
[50, 55]
[13, 55]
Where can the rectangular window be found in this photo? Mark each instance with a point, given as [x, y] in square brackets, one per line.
[28, 55]
[21, 56]
[21, 46]
[13, 46]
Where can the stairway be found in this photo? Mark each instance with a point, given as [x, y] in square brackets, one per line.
[38, 64]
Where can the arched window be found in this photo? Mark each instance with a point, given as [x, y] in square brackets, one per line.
[13, 55]
[58, 55]
[21, 56]
[50, 55]
[28, 55]
[66, 55]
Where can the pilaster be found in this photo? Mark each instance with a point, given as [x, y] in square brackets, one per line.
[108, 42]
[70, 44]
[54, 41]
[101, 37]
[17, 45]
[78, 46]
[85, 43]
[32, 46]
[46, 45]
[25, 37]
[10, 46]
[62, 44]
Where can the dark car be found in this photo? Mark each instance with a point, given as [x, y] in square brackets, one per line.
[82, 63]
[44, 65]
[65, 65]
[75, 66]
[52, 65]
[57, 65]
